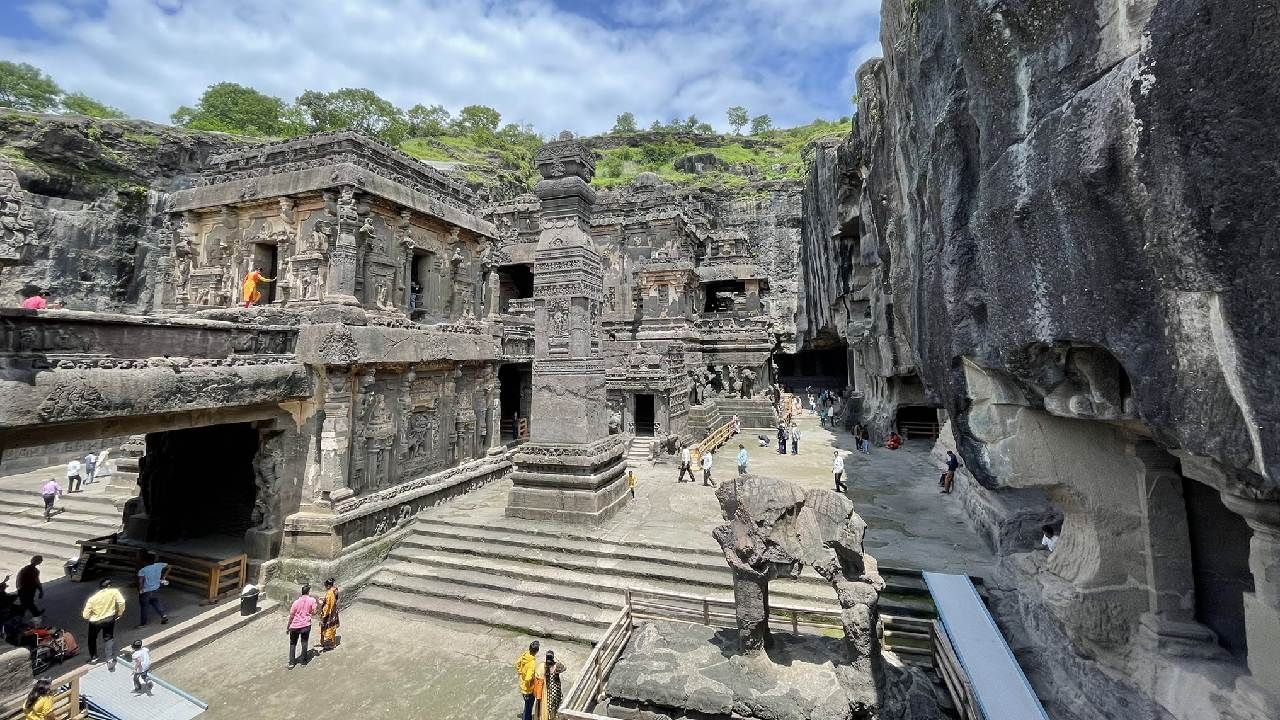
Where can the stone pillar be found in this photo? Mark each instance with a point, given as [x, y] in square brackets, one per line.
[1169, 626]
[340, 286]
[335, 439]
[572, 468]
[1262, 606]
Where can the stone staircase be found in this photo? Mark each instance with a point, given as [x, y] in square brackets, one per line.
[638, 453]
[23, 531]
[756, 412]
[568, 587]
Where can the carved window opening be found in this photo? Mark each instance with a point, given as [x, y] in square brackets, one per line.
[725, 296]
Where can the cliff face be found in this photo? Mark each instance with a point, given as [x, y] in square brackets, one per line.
[1060, 175]
[89, 213]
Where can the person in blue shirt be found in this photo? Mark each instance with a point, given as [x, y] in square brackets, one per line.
[742, 460]
[150, 577]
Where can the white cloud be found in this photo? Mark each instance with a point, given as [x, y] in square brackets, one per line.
[533, 61]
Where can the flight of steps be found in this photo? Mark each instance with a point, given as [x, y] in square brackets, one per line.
[569, 587]
[638, 453]
[756, 412]
[23, 531]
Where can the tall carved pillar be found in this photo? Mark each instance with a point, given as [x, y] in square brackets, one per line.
[335, 438]
[340, 286]
[1262, 606]
[571, 469]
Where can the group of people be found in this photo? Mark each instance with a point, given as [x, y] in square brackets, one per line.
[788, 432]
[705, 462]
[540, 685]
[302, 614]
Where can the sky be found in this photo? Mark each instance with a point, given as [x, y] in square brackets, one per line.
[557, 64]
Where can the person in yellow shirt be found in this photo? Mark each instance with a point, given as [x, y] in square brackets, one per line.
[39, 704]
[631, 481]
[527, 669]
[249, 288]
[102, 609]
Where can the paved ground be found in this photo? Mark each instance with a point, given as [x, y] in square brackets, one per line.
[388, 666]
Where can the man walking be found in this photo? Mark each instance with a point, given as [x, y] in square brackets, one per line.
[949, 476]
[150, 577]
[50, 492]
[795, 439]
[742, 459]
[706, 469]
[141, 668]
[782, 439]
[837, 470]
[102, 610]
[527, 670]
[73, 476]
[90, 465]
[686, 464]
[299, 625]
[29, 586]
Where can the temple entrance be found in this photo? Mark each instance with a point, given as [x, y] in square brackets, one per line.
[725, 296]
[514, 394]
[265, 256]
[515, 282]
[917, 422]
[644, 415]
[198, 485]
[1219, 564]
[423, 282]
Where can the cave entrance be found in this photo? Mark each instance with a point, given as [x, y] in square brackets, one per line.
[265, 256]
[198, 488]
[514, 396]
[515, 282]
[825, 368]
[644, 415]
[917, 422]
[1219, 541]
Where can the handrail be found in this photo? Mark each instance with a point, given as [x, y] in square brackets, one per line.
[712, 441]
[66, 699]
[215, 579]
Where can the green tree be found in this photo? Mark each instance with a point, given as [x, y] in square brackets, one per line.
[82, 104]
[234, 108]
[738, 118]
[656, 126]
[358, 109]
[625, 123]
[761, 124]
[477, 121]
[691, 123]
[428, 120]
[26, 87]
[704, 129]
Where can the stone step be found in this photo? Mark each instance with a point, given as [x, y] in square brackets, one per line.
[21, 543]
[512, 618]
[62, 518]
[102, 504]
[178, 639]
[538, 599]
[42, 534]
[599, 591]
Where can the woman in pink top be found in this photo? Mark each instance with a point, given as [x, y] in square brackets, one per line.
[38, 301]
[300, 625]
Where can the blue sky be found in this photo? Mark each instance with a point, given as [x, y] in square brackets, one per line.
[559, 64]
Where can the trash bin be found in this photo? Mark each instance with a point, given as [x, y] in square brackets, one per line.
[249, 600]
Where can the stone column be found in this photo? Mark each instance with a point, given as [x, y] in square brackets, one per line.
[340, 286]
[335, 438]
[572, 468]
[1262, 606]
[1169, 626]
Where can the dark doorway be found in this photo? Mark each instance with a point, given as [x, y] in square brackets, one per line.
[1219, 564]
[265, 256]
[644, 415]
[199, 482]
[825, 368]
[725, 296]
[513, 389]
[515, 282]
[423, 282]
[917, 422]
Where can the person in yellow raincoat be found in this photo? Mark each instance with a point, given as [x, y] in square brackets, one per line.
[527, 669]
[329, 616]
[249, 290]
[39, 704]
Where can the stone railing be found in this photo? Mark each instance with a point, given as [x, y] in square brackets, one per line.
[520, 307]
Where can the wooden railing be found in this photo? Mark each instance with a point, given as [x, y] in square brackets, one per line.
[918, 430]
[66, 699]
[213, 579]
[712, 441]
[953, 675]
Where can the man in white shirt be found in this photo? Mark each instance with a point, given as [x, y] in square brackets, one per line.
[686, 464]
[837, 470]
[706, 469]
[90, 460]
[73, 476]
[141, 668]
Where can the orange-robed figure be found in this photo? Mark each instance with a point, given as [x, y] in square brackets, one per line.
[249, 290]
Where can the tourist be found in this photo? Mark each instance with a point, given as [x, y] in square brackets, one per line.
[249, 289]
[50, 491]
[7, 601]
[39, 301]
[865, 444]
[90, 465]
[837, 469]
[1050, 539]
[299, 626]
[686, 463]
[73, 476]
[552, 691]
[949, 476]
[150, 577]
[894, 442]
[782, 439]
[706, 469]
[742, 459]
[795, 439]
[631, 482]
[102, 466]
[527, 670]
[141, 668]
[28, 587]
[39, 704]
[329, 620]
[102, 610]
[734, 425]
